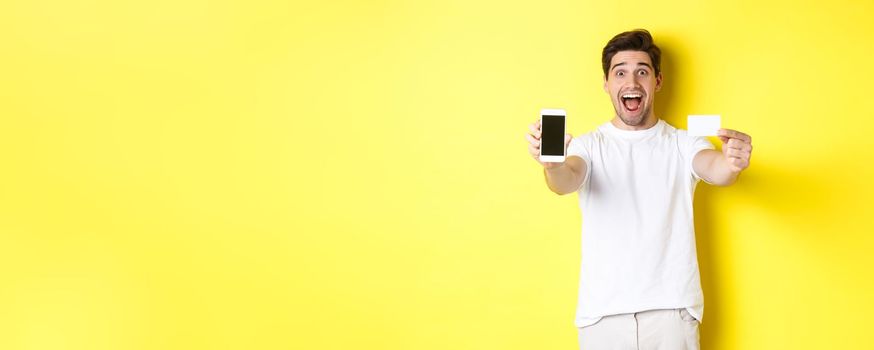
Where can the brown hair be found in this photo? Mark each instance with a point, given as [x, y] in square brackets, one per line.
[635, 40]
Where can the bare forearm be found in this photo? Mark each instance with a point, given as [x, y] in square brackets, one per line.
[563, 179]
[723, 168]
[720, 171]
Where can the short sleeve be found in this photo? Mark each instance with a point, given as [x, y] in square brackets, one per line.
[581, 146]
[578, 147]
[696, 144]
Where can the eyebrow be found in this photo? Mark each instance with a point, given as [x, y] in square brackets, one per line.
[638, 63]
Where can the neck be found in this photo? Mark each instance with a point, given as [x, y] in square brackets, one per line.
[649, 122]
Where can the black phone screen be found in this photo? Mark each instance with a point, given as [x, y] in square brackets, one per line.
[552, 135]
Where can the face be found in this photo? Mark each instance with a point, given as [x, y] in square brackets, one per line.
[631, 84]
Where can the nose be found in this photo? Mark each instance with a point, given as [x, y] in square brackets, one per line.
[632, 86]
[634, 80]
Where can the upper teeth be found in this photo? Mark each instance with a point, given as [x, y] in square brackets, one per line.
[631, 95]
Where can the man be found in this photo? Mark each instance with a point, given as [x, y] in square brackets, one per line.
[636, 175]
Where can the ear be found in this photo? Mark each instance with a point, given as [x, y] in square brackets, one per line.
[659, 82]
[605, 85]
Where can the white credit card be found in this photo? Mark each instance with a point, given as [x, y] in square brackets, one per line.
[703, 125]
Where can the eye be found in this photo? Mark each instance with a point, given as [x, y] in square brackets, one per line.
[620, 73]
[642, 72]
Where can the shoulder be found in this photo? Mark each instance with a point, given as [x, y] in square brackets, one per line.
[681, 135]
[589, 136]
[587, 141]
[671, 131]
[596, 134]
[584, 144]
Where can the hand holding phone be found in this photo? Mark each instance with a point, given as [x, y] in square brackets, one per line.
[548, 141]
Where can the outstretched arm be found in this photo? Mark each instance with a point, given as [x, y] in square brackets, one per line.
[566, 178]
[723, 168]
[561, 178]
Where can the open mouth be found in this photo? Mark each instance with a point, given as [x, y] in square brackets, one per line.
[631, 100]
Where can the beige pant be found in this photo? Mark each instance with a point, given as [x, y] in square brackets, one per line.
[667, 329]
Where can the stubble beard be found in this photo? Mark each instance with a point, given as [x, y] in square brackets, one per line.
[631, 121]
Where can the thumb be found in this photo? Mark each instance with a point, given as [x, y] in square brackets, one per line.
[567, 139]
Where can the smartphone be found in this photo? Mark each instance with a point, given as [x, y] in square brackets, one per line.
[552, 130]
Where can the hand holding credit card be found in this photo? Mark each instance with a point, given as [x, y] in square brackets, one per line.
[736, 146]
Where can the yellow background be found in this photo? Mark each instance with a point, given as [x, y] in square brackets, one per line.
[353, 174]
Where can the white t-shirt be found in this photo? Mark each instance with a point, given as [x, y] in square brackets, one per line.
[638, 235]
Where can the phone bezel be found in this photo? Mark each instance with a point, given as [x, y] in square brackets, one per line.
[553, 158]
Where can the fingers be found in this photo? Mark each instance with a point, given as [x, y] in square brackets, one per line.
[734, 134]
[738, 164]
[535, 129]
[736, 153]
[737, 147]
[532, 141]
[738, 144]
[533, 145]
[534, 151]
